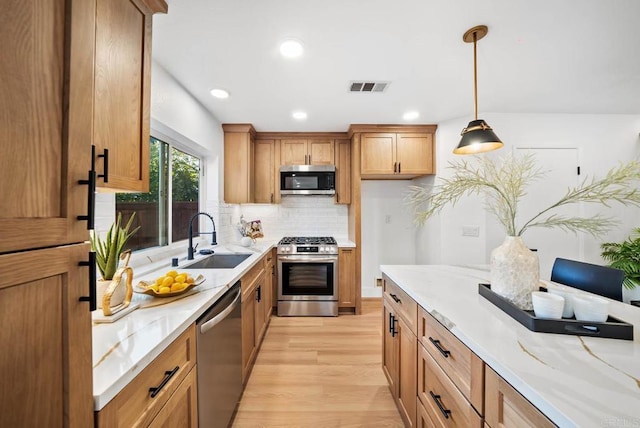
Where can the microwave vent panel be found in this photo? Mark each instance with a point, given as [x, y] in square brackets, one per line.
[368, 86]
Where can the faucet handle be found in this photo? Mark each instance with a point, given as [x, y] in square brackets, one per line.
[195, 247]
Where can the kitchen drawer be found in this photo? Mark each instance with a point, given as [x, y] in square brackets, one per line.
[248, 279]
[402, 304]
[443, 402]
[134, 406]
[506, 407]
[464, 368]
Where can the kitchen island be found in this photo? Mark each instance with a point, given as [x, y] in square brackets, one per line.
[575, 381]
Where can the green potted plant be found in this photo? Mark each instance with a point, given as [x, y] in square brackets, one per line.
[625, 256]
[108, 254]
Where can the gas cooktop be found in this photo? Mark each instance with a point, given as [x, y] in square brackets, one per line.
[307, 240]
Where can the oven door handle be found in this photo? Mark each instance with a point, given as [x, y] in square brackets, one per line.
[313, 259]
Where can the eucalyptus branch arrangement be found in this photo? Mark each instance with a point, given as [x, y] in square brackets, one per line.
[504, 184]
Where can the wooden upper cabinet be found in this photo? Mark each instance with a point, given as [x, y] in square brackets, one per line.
[46, 121]
[395, 152]
[264, 172]
[343, 171]
[122, 91]
[239, 140]
[306, 152]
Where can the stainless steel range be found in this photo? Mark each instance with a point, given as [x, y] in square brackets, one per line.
[307, 276]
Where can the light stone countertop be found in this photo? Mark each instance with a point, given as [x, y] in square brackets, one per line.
[577, 381]
[121, 350]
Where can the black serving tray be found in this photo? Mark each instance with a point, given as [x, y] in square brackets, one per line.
[612, 328]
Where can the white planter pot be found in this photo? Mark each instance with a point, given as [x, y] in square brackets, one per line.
[118, 295]
[515, 272]
[245, 241]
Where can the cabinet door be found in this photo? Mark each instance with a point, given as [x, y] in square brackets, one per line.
[377, 154]
[238, 170]
[343, 172]
[320, 152]
[389, 351]
[268, 288]
[181, 410]
[259, 319]
[123, 90]
[46, 339]
[414, 154]
[407, 377]
[248, 334]
[506, 407]
[293, 152]
[46, 121]
[264, 172]
[346, 278]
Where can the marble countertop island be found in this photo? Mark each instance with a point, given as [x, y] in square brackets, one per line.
[577, 381]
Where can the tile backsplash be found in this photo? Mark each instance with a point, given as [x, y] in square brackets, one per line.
[294, 216]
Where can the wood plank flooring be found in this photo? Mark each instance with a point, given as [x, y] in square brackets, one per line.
[320, 372]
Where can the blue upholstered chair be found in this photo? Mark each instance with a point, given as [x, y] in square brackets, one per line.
[596, 279]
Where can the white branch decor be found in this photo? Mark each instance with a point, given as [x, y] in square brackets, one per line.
[504, 184]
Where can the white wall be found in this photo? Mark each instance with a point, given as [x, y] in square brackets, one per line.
[603, 143]
[387, 230]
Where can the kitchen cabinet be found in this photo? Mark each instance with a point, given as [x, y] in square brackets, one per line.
[270, 292]
[254, 314]
[506, 407]
[307, 152]
[122, 92]
[400, 349]
[239, 142]
[264, 172]
[163, 393]
[343, 171]
[347, 287]
[45, 150]
[386, 155]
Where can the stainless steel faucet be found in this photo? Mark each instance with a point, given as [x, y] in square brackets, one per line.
[191, 249]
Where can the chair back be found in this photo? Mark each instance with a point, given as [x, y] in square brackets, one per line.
[601, 280]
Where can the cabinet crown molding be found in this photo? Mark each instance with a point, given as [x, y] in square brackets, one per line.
[239, 127]
[361, 128]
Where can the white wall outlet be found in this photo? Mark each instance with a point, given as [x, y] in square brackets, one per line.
[378, 282]
[471, 231]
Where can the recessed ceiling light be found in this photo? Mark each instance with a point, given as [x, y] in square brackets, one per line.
[220, 93]
[411, 115]
[291, 49]
[299, 115]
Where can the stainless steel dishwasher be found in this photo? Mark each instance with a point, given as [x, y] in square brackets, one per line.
[219, 352]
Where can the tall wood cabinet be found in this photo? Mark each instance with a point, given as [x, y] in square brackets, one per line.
[50, 105]
[264, 172]
[343, 171]
[239, 142]
[122, 91]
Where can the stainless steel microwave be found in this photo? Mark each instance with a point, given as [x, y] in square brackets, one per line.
[308, 180]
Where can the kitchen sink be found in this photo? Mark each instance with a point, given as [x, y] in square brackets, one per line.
[219, 261]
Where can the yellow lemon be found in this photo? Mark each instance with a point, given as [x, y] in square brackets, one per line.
[172, 273]
[155, 287]
[167, 281]
[177, 286]
[180, 278]
[159, 280]
[164, 290]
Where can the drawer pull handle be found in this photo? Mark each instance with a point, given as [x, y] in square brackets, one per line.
[393, 326]
[445, 353]
[390, 323]
[445, 412]
[167, 376]
[395, 298]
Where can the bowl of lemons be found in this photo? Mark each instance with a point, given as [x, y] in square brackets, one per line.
[171, 284]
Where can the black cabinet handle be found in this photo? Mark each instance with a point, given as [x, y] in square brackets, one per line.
[105, 166]
[395, 298]
[399, 167]
[393, 326]
[259, 293]
[91, 298]
[167, 376]
[390, 323]
[90, 182]
[445, 412]
[445, 353]
[395, 167]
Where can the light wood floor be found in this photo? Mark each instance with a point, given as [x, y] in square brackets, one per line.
[320, 372]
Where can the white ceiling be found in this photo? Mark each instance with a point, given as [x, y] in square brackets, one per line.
[543, 56]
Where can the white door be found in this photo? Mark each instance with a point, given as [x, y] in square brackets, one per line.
[561, 167]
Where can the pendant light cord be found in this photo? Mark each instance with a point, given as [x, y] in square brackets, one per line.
[475, 78]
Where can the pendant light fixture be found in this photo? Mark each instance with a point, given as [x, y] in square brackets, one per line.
[478, 136]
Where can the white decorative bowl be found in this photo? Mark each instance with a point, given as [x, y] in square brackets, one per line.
[567, 312]
[547, 305]
[590, 308]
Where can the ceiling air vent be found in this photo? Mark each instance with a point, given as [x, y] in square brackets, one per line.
[368, 86]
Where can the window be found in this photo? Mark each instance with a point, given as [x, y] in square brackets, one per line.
[170, 203]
